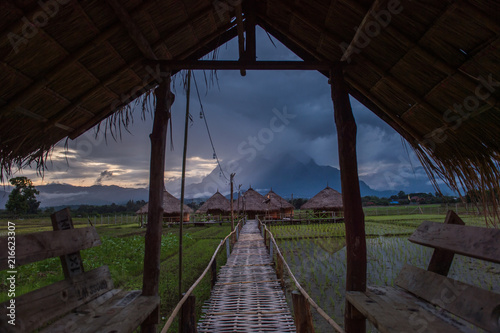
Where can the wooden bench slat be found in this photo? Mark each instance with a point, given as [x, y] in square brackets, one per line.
[40, 306]
[123, 312]
[475, 242]
[471, 303]
[42, 245]
[392, 310]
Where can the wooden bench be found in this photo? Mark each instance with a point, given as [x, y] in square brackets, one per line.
[83, 301]
[429, 301]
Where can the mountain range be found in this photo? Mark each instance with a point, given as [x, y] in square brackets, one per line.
[285, 175]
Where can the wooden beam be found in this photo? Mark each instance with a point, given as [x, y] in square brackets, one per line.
[241, 37]
[133, 30]
[368, 18]
[351, 197]
[250, 15]
[236, 65]
[164, 100]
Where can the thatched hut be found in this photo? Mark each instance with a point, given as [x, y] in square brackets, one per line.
[255, 204]
[217, 204]
[285, 208]
[327, 200]
[171, 209]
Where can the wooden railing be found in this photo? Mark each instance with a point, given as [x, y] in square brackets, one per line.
[301, 299]
[187, 302]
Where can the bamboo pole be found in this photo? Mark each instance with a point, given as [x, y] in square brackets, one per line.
[183, 181]
[353, 210]
[164, 99]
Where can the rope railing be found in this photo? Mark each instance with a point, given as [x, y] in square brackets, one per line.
[297, 284]
[195, 284]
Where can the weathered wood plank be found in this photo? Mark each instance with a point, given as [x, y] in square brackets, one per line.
[72, 263]
[475, 242]
[123, 312]
[471, 303]
[441, 260]
[393, 310]
[48, 244]
[40, 306]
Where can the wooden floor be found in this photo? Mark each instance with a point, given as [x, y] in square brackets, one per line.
[247, 296]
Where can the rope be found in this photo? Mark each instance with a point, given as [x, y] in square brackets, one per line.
[299, 287]
[195, 284]
[208, 130]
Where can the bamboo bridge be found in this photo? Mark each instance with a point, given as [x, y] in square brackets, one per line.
[247, 296]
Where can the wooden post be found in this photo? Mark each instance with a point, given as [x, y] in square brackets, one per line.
[164, 99]
[213, 273]
[228, 249]
[442, 259]
[231, 203]
[72, 263]
[302, 313]
[353, 210]
[188, 315]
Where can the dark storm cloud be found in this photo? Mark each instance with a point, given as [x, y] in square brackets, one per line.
[241, 111]
[105, 175]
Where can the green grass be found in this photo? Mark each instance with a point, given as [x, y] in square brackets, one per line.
[122, 250]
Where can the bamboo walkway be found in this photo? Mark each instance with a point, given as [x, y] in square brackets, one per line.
[247, 296]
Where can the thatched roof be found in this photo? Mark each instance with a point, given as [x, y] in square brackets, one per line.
[256, 202]
[171, 205]
[428, 68]
[328, 199]
[216, 202]
[278, 201]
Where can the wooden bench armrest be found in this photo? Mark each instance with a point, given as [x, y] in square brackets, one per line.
[116, 311]
[40, 306]
[393, 310]
[478, 306]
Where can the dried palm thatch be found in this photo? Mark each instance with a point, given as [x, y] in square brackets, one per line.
[171, 206]
[428, 68]
[216, 204]
[326, 200]
[278, 201]
[256, 203]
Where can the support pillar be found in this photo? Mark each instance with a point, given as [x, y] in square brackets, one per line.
[164, 99]
[354, 218]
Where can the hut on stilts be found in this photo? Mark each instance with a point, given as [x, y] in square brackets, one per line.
[429, 69]
[326, 204]
[286, 209]
[216, 207]
[171, 210]
[256, 205]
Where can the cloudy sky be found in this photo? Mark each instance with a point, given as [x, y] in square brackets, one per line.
[266, 112]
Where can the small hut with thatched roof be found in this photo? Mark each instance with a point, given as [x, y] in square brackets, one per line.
[255, 204]
[285, 208]
[171, 209]
[328, 200]
[217, 204]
